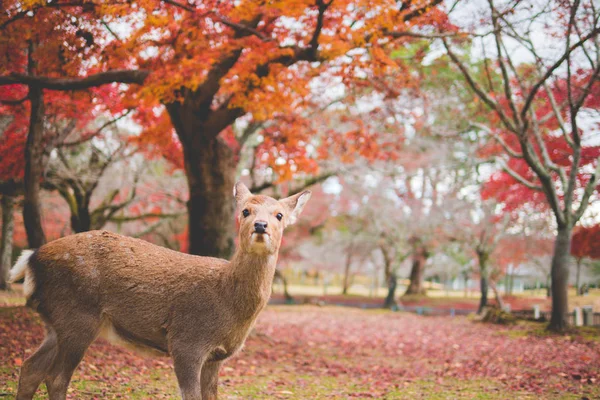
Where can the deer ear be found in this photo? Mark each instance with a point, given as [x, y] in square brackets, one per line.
[295, 204]
[240, 192]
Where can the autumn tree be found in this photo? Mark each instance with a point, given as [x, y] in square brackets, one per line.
[25, 155]
[584, 244]
[209, 64]
[481, 230]
[536, 109]
[77, 170]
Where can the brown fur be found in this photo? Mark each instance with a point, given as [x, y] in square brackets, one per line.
[199, 310]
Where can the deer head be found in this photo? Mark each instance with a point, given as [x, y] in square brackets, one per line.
[262, 219]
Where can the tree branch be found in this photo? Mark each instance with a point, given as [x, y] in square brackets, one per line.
[478, 90]
[589, 189]
[307, 183]
[144, 216]
[511, 152]
[518, 177]
[97, 132]
[238, 27]
[101, 78]
[399, 34]
[420, 11]
[551, 69]
[15, 102]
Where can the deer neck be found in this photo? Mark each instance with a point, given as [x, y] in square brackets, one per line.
[250, 279]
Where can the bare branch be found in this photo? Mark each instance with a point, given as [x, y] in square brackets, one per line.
[532, 159]
[518, 177]
[511, 152]
[310, 182]
[479, 91]
[551, 69]
[96, 133]
[505, 77]
[249, 131]
[587, 193]
[307, 183]
[131, 218]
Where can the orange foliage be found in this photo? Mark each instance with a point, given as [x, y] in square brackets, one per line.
[264, 55]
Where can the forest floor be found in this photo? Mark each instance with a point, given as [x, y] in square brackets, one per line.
[310, 352]
[439, 300]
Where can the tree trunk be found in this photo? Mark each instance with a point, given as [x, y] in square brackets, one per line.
[483, 271]
[387, 261]
[6, 246]
[34, 150]
[483, 301]
[286, 294]
[390, 300]
[578, 278]
[346, 283]
[560, 280]
[492, 284]
[211, 176]
[417, 271]
[81, 221]
[210, 166]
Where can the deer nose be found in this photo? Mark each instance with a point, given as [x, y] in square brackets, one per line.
[260, 227]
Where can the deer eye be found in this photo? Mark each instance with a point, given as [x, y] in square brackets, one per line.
[245, 213]
[279, 216]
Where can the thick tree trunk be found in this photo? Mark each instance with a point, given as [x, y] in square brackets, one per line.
[560, 280]
[6, 245]
[34, 149]
[81, 221]
[211, 176]
[578, 278]
[417, 271]
[210, 166]
[390, 300]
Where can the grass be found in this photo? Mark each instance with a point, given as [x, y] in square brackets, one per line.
[308, 352]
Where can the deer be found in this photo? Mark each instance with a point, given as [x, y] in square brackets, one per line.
[197, 310]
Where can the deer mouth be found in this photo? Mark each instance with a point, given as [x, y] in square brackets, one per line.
[260, 236]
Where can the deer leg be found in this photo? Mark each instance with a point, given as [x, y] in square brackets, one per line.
[72, 344]
[188, 366]
[210, 379]
[36, 367]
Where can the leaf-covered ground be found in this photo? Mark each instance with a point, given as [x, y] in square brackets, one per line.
[308, 352]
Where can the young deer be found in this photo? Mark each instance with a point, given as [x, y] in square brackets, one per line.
[198, 310]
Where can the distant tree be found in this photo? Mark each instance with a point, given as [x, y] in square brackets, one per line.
[483, 236]
[537, 108]
[585, 243]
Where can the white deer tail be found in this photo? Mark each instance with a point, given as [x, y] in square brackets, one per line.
[21, 270]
